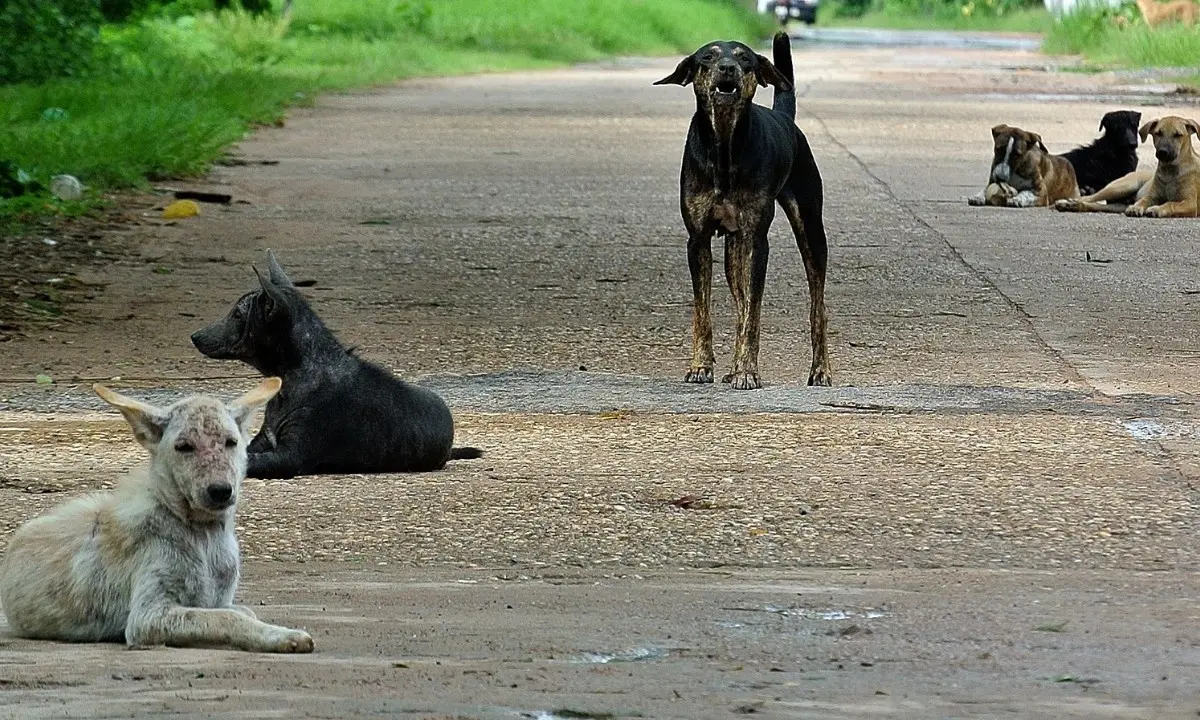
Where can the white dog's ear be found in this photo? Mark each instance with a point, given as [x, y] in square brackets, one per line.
[147, 421]
[246, 407]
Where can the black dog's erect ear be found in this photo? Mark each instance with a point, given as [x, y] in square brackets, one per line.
[684, 72]
[274, 300]
[768, 74]
[277, 275]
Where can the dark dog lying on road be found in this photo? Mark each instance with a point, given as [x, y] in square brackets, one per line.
[739, 160]
[336, 413]
[1110, 156]
[1024, 173]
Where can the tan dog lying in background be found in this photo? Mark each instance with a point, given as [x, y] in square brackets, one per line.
[1024, 173]
[1172, 190]
[1159, 13]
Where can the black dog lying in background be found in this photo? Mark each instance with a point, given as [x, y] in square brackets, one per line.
[1110, 156]
[336, 413]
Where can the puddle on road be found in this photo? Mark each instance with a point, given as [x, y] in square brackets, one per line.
[641, 654]
[1148, 429]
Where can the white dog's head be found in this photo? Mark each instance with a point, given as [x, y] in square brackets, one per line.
[197, 445]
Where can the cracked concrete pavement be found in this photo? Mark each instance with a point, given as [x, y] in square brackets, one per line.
[993, 513]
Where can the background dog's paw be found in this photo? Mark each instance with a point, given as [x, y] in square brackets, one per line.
[743, 381]
[820, 377]
[1023, 199]
[1154, 211]
[699, 375]
[1067, 205]
[1135, 211]
[977, 200]
[286, 640]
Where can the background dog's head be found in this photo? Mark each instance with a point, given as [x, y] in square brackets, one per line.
[1172, 137]
[258, 328]
[197, 446]
[1017, 153]
[725, 75]
[1121, 128]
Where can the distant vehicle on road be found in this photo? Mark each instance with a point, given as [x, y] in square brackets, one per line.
[786, 11]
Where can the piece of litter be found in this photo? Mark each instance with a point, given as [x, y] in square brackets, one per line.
[181, 209]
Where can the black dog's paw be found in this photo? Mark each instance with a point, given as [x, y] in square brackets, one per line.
[743, 381]
[699, 375]
[820, 377]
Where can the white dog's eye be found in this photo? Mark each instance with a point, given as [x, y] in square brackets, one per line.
[184, 446]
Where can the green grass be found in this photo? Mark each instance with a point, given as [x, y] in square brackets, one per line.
[172, 93]
[1025, 20]
[1101, 40]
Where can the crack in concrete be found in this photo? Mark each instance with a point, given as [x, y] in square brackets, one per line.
[983, 277]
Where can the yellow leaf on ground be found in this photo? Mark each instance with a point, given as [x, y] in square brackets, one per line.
[181, 209]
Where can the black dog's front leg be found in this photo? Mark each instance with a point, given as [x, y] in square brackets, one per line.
[700, 263]
[272, 465]
[746, 254]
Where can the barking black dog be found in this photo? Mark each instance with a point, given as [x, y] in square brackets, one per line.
[1110, 156]
[336, 413]
[739, 160]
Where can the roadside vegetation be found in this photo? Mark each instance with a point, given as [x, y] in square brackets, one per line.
[1118, 37]
[118, 92]
[990, 15]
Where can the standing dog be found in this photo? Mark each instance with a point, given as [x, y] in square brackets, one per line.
[1158, 13]
[739, 160]
[155, 562]
[337, 413]
[1024, 173]
[1172, 190]
[1110, 156]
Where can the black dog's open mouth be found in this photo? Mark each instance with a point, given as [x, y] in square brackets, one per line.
[725, 87]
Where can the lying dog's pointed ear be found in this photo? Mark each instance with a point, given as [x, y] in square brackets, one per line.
[273, 299]
[278, 276]
[1145, 130]
[768, 74]
[1192, 126]
[147, 421]
[684, 72]
[246, 407]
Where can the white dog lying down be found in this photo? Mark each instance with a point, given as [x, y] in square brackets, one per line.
[156, 561]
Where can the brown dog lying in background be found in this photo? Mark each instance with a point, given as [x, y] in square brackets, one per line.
[1024, 173]
[1172, 190]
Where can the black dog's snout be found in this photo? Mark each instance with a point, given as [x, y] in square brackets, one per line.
[220, 492]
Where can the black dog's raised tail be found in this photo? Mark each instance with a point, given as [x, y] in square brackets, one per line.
[465, 453]
[785, 100]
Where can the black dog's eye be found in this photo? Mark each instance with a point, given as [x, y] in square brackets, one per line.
[184, 446]
[231, 443]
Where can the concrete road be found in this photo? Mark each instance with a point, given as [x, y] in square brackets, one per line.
[994, 513]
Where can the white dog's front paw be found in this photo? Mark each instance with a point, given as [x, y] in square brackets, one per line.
[285, 640]
[1023, 199]
[977, 200]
